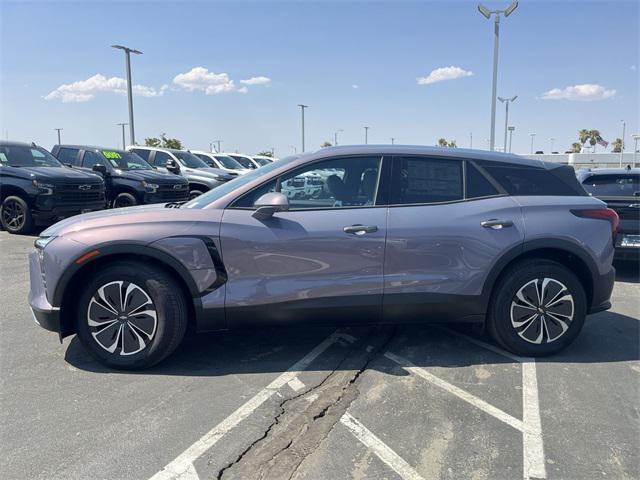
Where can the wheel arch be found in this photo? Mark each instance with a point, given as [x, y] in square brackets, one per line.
[14, 191]
[198, 186]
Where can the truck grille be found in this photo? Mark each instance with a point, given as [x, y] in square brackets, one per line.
[168, 193]
[79, 193]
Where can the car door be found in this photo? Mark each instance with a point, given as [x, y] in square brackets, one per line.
[318, 262]
[448, 224]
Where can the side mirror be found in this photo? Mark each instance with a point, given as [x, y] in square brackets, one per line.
[172, 165]
[270, 203]
[101, 169]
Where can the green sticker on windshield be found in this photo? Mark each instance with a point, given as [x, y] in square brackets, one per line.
[110, 154]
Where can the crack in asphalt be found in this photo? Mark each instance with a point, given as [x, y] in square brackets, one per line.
[306, 419]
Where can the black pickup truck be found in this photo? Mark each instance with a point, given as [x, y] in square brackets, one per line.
[36, 189]
[128, 178]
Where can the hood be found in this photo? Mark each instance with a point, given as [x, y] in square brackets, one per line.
[153, 176]
[206, 172]
[58, 174]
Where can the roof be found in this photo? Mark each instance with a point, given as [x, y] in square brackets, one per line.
[7, 143]
[90, 147]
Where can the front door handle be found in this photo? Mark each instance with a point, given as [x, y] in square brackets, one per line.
[496, 224]
[360, 229]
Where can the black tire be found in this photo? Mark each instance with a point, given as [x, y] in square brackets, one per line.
[194, 193]
[160, 338]
[517, 327]
[124, 199]
[15, 216]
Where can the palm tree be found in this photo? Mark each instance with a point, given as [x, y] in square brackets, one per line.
[442, 142]
[594, 138]
[576, 147]
[617, 145]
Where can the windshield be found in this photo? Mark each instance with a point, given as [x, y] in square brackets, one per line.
[23, 156]
[228, 187]
[126, 160]
[245, 162]
[228, 162]
[190, 160]
[262, 161]
[627, 185]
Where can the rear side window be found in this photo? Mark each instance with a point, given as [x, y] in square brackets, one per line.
[527, 181]
[160, 159]
[68, 155]
[613, 185]
[417, 180]
[477, 184]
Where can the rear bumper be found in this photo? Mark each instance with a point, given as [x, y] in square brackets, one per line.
[602, 288]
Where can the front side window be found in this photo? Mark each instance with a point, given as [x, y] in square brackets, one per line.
[206, 159]
[23, 156]
[68, 156]
[627, 185]
[160, 159]
[419, 180]
[245, 162]
[190, 160]
[92, 158]
[262, 161]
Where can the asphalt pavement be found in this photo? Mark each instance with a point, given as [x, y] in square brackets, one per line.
[403, 402]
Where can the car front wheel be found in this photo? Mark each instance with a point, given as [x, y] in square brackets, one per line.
[131, 315]
[538, 308]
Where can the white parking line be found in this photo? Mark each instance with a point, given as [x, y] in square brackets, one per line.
[182, 466]
[380, 449]
[295, 384]
[458, 392]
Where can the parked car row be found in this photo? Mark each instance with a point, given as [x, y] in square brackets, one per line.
[38, 187]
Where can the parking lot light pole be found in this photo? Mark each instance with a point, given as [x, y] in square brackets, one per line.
[302, 107]
[506, 102]
[123, 139]
[127, 54]
[551, 140]
[218, 142]
[532, 135]
[335, 136]
[624, 127]
[58, 130]
[496, 35]
[366, 135]
[393, 140]
[511, 128]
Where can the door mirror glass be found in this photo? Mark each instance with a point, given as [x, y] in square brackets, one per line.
[270, 203]
[101, 169]
[172, 165]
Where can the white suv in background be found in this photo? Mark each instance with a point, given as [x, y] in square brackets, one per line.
[245, 160]
[221, 161]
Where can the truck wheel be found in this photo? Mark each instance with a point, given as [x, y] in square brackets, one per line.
[15, 216]
[194, 193]
[124, 200]
[131, 315]
[537, 308]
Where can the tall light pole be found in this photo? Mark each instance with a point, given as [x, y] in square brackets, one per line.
[532, 135]
[302, 107]
[393, 140]
[218, 142]
[58, 130]
[335, 136]
[624, 126]
[123, 140]
[366, 135]
[551, 140]
[506, 102]
[511, 128]
[496, 35]
[471, 140]
[127, 54]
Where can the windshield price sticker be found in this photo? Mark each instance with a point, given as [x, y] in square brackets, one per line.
[109, 154]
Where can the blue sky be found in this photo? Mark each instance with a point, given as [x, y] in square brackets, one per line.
[354, 63]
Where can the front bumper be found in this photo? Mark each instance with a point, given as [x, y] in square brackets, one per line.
[44, 314]
[60, 212]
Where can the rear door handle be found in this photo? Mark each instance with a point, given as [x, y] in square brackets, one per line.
[496, 224]
[360, 229]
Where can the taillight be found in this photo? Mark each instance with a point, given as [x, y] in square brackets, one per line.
[601, 213]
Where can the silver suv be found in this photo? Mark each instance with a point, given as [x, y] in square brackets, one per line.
[395, 234]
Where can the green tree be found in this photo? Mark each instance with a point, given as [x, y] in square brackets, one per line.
[592, 137]
[326, 144]
[443, 142]
[152, 142]
[163, 141]
[617, 145]
[576, 147]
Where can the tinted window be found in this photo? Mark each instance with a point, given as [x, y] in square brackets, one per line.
[245, 162]
[426, 180]
[68, 155]
[262, 161]
[613, 185]
[477, 184]
[228, 162]
[22, 156]
[521, 180]
[92, 158]
[190, 160]
[160, 159]
[144, 154]
[206, 159]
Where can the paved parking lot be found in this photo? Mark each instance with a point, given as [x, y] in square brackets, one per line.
[409, 402]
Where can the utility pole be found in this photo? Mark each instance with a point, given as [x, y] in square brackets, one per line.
[123, 139]
[302, 107]
[366, 135]
[127, 54]
[59, 130]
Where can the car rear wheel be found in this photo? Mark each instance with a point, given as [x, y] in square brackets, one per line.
[124, 200]
[15, 216]
[131, 315]
[537, 309]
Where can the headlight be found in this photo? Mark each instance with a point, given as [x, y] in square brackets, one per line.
[152, 187]
[43, 188]
[41, 243]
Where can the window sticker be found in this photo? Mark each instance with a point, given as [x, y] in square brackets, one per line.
[110, 155]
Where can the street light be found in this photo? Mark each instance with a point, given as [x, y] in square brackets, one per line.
[393, 139]
[366, 135]
[123, 141]
[335, 136]
[624, 126]
[511, 128]
[496, 35]
[506, 102]
[532, 135]
[551, 140]
[59, 130]
[471, 140]
[302, 107]
[127, 54]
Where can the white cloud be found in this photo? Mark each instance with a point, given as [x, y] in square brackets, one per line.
[355, 86]
[583, 92]
[85, 90]
[633, 68]
[256, 81]
[443, 73]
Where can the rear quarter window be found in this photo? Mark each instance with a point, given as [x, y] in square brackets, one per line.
[530, 181]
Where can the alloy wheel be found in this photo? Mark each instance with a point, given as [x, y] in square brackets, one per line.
[542, 310]
[13, 215]
[122, 318]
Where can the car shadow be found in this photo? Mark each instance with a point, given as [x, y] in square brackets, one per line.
[606, 337]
